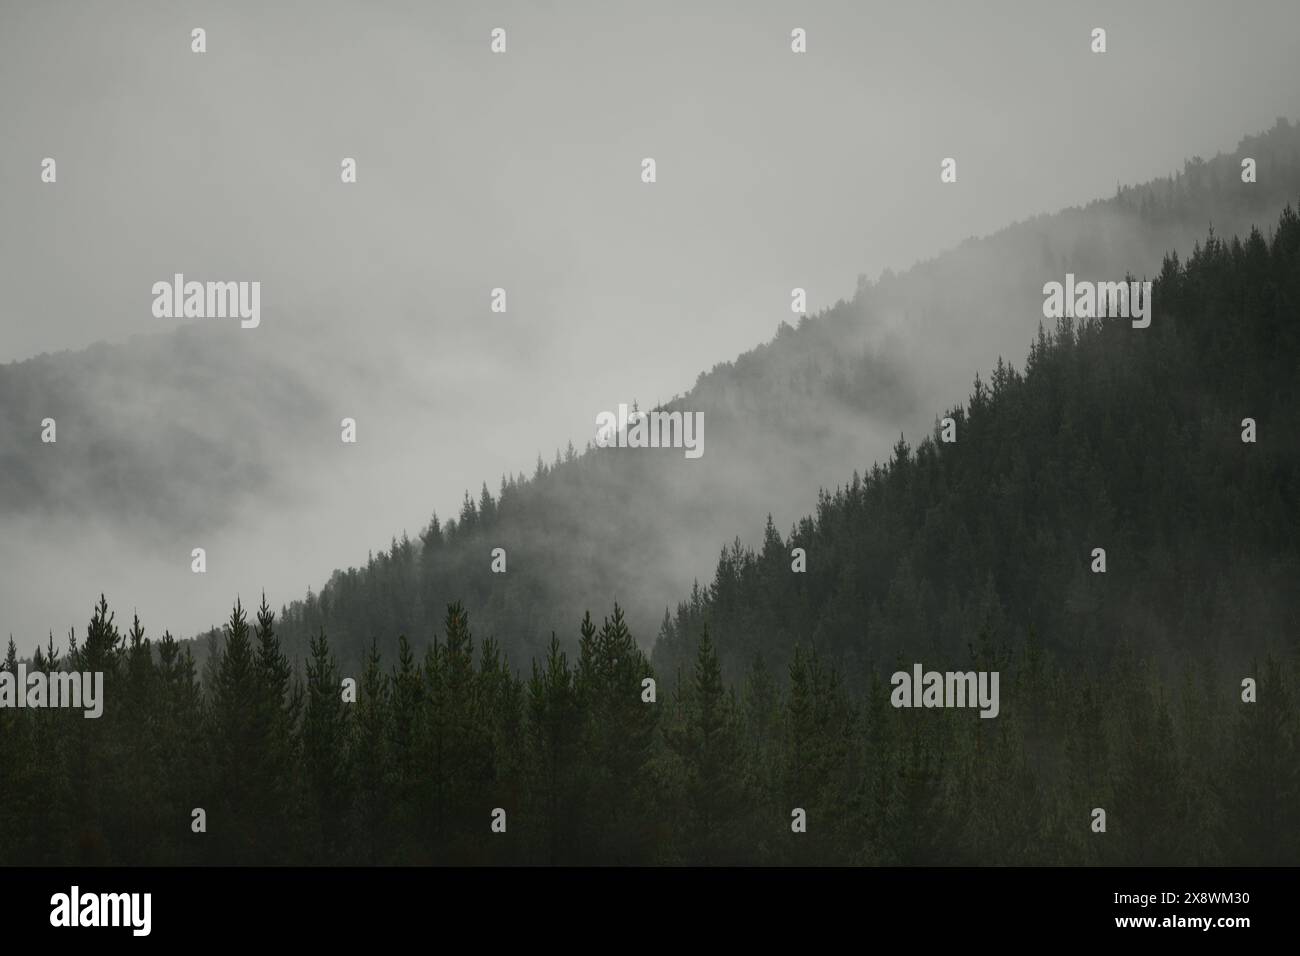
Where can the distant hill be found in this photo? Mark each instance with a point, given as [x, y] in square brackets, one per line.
[146, 431]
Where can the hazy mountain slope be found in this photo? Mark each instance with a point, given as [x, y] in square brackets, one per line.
[960, 310]
[781, 421]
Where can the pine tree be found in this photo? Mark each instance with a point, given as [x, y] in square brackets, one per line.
[325, 734]
[139, 769]
[96, 755]
[406, 745]
[706, 741]
[619, 731]
[501, 706]
[458, 744]
[371, 762]
[277, 708]
[181, 728]
[555, 737]
[234, 744]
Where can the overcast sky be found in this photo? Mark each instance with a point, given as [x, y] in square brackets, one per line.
[522, 171]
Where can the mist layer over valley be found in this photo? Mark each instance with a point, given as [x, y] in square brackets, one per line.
[376, 299]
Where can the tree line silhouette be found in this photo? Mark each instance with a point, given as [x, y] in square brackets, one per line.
[588, 771]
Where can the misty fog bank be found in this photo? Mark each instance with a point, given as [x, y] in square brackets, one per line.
[521, 172]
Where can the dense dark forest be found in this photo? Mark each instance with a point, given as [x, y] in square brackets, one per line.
[1121, 691]
[587, 770]
[1116, 438]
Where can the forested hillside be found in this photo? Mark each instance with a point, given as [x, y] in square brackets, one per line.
[1129, 440]
[798, 414]
[1121, 691]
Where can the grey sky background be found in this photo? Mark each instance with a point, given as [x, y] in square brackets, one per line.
[522, 171]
